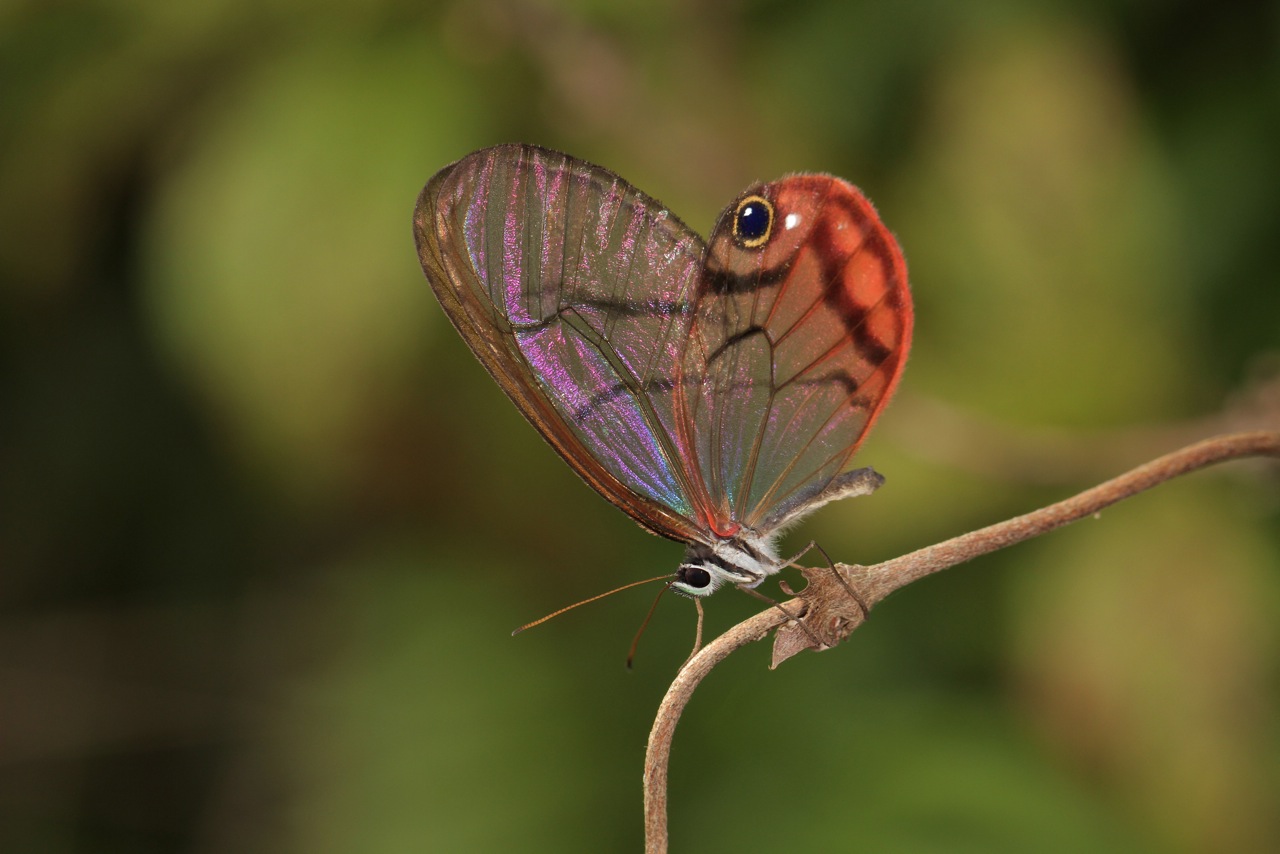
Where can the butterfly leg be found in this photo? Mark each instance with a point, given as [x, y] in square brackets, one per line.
[853, 594]
[697, 637]
[813, 544]
[799, 621]
[862, 605]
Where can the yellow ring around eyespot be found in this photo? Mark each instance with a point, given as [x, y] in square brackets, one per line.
[762, 239]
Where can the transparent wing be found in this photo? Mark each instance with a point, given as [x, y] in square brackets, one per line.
[796, 346]
[573, 288]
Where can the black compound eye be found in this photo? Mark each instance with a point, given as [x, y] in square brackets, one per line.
[696, 578]
[753, 221]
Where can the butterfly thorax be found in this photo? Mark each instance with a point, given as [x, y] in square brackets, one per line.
[745, 559]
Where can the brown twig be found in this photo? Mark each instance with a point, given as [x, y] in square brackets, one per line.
[830, 616]
[949, 434]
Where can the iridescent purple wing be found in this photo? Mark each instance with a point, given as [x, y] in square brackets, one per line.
[801, 331]
[573, 289]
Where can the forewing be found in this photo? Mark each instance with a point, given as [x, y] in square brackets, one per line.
[796, 346]
[573, 289]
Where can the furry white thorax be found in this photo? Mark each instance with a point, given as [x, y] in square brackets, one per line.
[746, 559]
[749, 557]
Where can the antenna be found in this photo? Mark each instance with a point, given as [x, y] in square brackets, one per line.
[635, 642]
[598, 596]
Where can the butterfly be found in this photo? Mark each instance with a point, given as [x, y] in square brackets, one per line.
[715, 391]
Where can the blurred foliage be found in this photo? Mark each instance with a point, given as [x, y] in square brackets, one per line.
[265, 524]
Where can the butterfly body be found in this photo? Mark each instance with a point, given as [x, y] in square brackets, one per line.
[714, 391]
[748, 557]
[744, 560]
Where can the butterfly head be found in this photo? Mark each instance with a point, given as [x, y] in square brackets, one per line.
[744, 560]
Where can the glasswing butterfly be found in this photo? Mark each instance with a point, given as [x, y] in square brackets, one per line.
[715, 391]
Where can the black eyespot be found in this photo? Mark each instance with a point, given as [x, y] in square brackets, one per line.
[695, 577]
[753, 221]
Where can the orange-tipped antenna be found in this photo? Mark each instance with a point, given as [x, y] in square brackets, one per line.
[635, 642]
[598, 596]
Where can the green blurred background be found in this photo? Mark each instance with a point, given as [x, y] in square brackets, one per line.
[265, 524]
